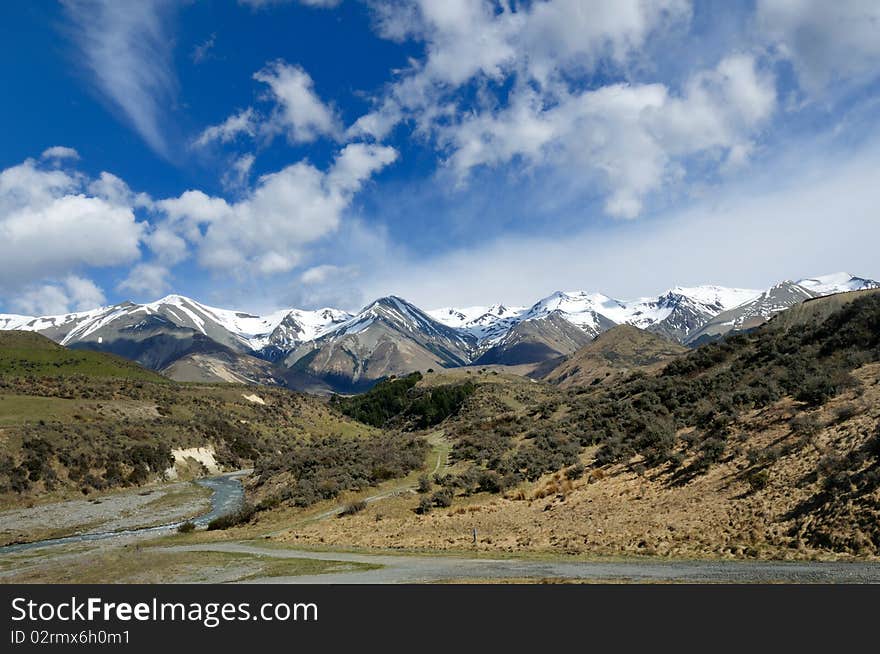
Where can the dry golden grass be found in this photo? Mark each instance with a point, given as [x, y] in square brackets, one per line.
[616, 511]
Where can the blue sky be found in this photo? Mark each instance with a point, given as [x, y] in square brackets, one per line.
[270, 153]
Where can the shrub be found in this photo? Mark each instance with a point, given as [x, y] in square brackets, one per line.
[845, 412]
[243, 515]
[425, 505]
[758, 479]
[816, 390]
[438, 403]
[442, 498]
[384, 401]
[186, 528]
[490, 481]
[575, 472]
[805, 424]
[424, 484]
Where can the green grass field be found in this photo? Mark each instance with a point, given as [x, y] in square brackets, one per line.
[27, 354]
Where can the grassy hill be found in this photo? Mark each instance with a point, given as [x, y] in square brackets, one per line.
[617, 352]
[82, 421]
[31, 354]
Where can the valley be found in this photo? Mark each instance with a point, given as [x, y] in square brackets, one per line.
[633, 458]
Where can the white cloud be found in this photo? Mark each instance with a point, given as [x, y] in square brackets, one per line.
[236, 178]
[59, 152]
[73, 294]
[49, 226]
[826, 42]
[202, 51]
[299, 111]
[127, 47]
[266, 232]
[808, 212]
[168, 247]
[195, 206]
[113, 189]
[261, 4]
[84, 293]
[476, 39]
[320, 274]
[244, 122]
[146, 280]
[626, 138]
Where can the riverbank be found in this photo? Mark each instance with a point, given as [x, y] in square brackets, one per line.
[118, 511]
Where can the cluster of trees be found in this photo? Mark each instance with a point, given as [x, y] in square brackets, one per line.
[400, 402]
[386, 400]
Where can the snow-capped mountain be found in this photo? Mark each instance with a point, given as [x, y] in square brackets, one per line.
[755, 312]
[675, 314]
[836, 283]
[681, 311]
[393, 336]
[484, 323]
[388, 337]
[775, 299]
[239, 330]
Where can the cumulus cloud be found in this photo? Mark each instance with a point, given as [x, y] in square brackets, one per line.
[299, 112]
[114, 190]
[295, 110]
[522, 104]
[59, 152]
[826, 42]
[625, 136]
[146, 280]
[167, 246]
[72, 294]
[244, 122]
[806, 213]
[320, 274]
[468, 40]
[126, 47]
[265, 232]
[50, 225]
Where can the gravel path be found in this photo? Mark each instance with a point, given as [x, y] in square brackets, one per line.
[425, 569]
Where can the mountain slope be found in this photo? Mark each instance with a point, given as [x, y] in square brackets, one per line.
[616, 352]
[388, 337]
[539, 339]
[681, 311]
[392, 336]
[754, 313]
[25, 354]
[776, 299]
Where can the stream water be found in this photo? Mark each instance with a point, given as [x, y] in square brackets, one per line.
[227, 496]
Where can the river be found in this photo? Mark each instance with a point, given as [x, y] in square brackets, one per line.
[227, 496]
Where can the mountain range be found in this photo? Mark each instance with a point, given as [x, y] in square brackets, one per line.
[334, 350]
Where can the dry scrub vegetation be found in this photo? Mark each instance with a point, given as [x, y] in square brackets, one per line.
[764, 445]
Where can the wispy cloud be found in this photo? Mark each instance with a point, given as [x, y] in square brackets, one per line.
[127, 48]
[203, 50]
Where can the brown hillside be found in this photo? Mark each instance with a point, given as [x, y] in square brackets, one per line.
[613, 353]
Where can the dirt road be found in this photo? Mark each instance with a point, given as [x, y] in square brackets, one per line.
[398, 569]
